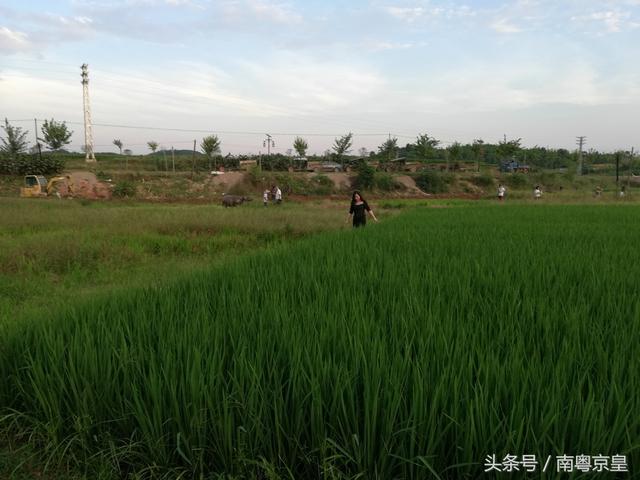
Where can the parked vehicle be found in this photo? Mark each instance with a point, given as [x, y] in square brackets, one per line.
[514, 167]
[331, 167]
[38, 186]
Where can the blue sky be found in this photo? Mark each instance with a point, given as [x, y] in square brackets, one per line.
[544, 71]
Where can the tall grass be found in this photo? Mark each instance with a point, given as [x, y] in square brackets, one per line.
[411, 349]
[53, 250]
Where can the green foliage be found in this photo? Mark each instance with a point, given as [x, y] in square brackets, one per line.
[275, 162]
[56, 134]
[341, 146]
[124, 189]
[365, 179]
[389, 149]
[430, 181]
[210, 145]
[386, 182]
[483, 180]
[300, 145]
[517, 180]
[153, 146]
[370, 357]
[321, 185]
[15, 141]
[23, 164]
[508, 148]
[425, 146]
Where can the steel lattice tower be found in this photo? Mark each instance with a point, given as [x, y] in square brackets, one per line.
[88, 133]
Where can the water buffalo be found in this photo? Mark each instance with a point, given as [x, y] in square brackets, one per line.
[233, 200]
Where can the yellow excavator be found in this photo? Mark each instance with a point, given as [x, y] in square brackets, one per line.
[38, 186]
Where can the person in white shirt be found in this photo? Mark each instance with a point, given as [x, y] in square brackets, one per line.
[278, 195]
[501, 191]
[537, 193]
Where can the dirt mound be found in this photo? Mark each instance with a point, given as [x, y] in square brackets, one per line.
[410, 184]
[227, 180]
[87, 185]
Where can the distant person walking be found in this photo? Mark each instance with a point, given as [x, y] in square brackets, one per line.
[501, 192]
[278, 195]
[359, 209]
[265, 198]
[537, 193]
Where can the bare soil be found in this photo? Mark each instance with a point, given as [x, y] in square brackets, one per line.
[87, 185]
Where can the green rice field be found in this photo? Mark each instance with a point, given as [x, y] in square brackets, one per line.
[410, 349]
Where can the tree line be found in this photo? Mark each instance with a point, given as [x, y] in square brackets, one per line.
[426, 148]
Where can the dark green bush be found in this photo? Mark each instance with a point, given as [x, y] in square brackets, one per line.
[431, 181]
[517, 180]
[365, 180]
[386, 182]
[321, 185]
[483, 181]
[24, 164]
[124, 189]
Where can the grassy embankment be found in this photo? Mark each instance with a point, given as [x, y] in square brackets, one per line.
[411, 348]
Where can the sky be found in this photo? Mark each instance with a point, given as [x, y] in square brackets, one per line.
[173, 71]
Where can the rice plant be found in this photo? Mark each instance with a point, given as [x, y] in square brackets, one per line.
[409, 349]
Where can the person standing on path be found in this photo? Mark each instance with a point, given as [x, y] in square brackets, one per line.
[278, 195]
[359, 209]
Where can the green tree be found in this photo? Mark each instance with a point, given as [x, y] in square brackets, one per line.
[508, 148]
[300, 145]
[388, 151]
[478, 151]
[15, 141]
[153, 146]
[341, 146]
[389, 148]
[118, 143]
[56, 134]
[454, 151]
[425, 146]
[210, 145]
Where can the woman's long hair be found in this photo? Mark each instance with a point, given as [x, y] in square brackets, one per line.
[353, 197]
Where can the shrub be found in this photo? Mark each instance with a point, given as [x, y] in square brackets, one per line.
[432, 182]
[124, 189]
[23, 164]
[365, 180]
[517, 180]
[321, 185]
[483, 181]
[386, 182]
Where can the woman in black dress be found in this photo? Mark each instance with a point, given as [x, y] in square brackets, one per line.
[359, 209]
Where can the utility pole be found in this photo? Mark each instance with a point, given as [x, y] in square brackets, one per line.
[617, 167]
[268, 143]
[35, 132]
[88, 132]
[580, 142]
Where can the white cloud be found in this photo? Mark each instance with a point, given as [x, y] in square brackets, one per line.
[414, 14]
[259, 12]
[408, 14]
[503, 25]
[613, 21]
[12, 41]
